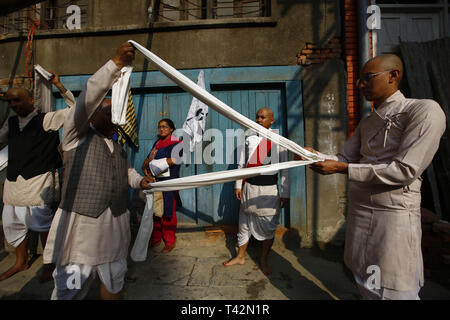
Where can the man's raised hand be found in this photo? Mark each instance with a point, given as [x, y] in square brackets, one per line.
[124, 55]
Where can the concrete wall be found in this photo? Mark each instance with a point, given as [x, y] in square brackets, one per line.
[325, 107]
[260, 41]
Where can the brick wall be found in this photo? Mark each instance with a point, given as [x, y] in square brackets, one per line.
[346, 48]
[351, 60]
[312, 54]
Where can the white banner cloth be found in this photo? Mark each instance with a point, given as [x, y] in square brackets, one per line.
[119, 97]
[203, 95]
[195, 123]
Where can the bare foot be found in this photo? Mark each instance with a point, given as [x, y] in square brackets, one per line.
[13, 270]
[265, 269]
[47, 272]
[234, 261]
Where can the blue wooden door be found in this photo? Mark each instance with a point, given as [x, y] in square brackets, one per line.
[219, 200]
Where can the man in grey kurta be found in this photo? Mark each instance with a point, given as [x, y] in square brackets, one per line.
[384, 160]
[90, 233]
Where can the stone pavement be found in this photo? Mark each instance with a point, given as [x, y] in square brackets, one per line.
[194, 271]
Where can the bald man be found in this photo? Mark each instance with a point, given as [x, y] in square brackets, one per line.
[261, 203]
[384, 160]
[32, 185]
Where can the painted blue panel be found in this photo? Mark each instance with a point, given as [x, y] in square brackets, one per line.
[153, 79]
[222, 202]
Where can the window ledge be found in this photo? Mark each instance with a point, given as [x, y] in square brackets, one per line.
[157, 27]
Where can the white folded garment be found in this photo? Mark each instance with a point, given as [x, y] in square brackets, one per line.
[158, 166]
[119, 97]
[47, 75]
[43, 97]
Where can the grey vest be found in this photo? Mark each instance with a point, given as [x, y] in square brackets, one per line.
[94, 178]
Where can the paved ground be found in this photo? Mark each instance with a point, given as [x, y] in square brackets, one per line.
[194, 271]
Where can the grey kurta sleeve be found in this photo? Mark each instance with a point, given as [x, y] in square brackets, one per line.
[54, 120]
[69, 98]
[419, 143]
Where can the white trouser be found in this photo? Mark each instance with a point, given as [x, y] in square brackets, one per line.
[72, 281]
[262, 228]
[17, 221]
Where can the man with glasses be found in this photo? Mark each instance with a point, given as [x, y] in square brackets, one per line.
[384, 160]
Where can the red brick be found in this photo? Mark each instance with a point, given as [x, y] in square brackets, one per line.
[301, 59]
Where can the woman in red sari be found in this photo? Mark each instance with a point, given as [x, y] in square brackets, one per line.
[164, 164]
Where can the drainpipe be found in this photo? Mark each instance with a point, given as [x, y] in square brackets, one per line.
[364, 51]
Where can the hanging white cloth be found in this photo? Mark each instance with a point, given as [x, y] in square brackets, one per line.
[140, 246]
[195, 123]
[43, 97]
[204, 96]
[119, 97]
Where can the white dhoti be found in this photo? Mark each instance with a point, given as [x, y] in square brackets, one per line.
[17, 221]
[259, 214]
[73, 285]
[262, 228]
